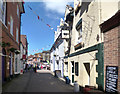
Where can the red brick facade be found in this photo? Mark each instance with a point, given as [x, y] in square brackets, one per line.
[111, 30]
[11, 10]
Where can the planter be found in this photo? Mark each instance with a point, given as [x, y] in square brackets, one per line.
[12, 49]
[3, 44]
[17, 51]
[78, 46]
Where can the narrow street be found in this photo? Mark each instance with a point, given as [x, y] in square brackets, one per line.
[42, 81]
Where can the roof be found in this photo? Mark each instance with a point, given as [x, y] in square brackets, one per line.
[111, 23]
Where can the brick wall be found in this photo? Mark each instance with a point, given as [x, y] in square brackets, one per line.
[111, 50]
[7, 37]
[119, 58]
[111, 30]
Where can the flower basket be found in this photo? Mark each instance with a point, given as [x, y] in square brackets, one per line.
[12, 49]
[17, 51]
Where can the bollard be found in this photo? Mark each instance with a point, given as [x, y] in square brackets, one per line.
[76, 87]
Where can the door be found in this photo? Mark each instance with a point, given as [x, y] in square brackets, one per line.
[72, 63]
[3, 64]
[87, 67]
[10, 64]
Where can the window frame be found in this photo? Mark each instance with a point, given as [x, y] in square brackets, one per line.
[11, 25]
[3, 8]
[17, 35]
[76, 68]
[80, 32]
[18, 11]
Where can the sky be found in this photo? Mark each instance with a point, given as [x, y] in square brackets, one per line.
[39, 35]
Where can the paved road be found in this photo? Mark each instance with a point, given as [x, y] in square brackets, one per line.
[42, 81]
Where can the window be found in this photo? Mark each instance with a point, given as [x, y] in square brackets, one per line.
[2, 11]
[66, 66]
[66, 33]
[11, 25]
[80, 32]
[76, 69]
[72, 66]
[17, 34]
[17, 11]
[15, 63]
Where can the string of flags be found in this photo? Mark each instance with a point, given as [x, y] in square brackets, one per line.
[40, 18]
[39, 50]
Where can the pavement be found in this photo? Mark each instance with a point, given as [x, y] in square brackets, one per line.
[42, 81]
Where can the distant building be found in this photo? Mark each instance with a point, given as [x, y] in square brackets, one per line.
[30, 59]
[39, 58]
[61, 44]
[24, 57]
[45, 56]
[23, 52]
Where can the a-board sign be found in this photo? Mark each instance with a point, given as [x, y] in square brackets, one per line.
[111, 79]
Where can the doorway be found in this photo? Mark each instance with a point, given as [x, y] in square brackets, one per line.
[3, 64]
[87, 68]
[72, 74]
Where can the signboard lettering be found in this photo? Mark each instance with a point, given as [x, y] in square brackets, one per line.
[111, 78]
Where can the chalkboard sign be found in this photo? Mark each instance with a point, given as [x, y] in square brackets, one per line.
[111, 79]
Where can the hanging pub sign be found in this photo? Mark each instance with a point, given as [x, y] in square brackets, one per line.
[111, 79]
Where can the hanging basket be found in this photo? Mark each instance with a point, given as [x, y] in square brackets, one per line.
[12, 49]
[17, 51]
[3, 44]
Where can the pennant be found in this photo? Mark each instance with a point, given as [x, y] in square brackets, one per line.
[29, 7]
[48, 25]
[38, 17]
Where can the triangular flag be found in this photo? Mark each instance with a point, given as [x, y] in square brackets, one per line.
[38, 17]
[48, 25]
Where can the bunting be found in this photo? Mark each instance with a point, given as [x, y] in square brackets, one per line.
[48, 25]
[40, 18]
[39, 50]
